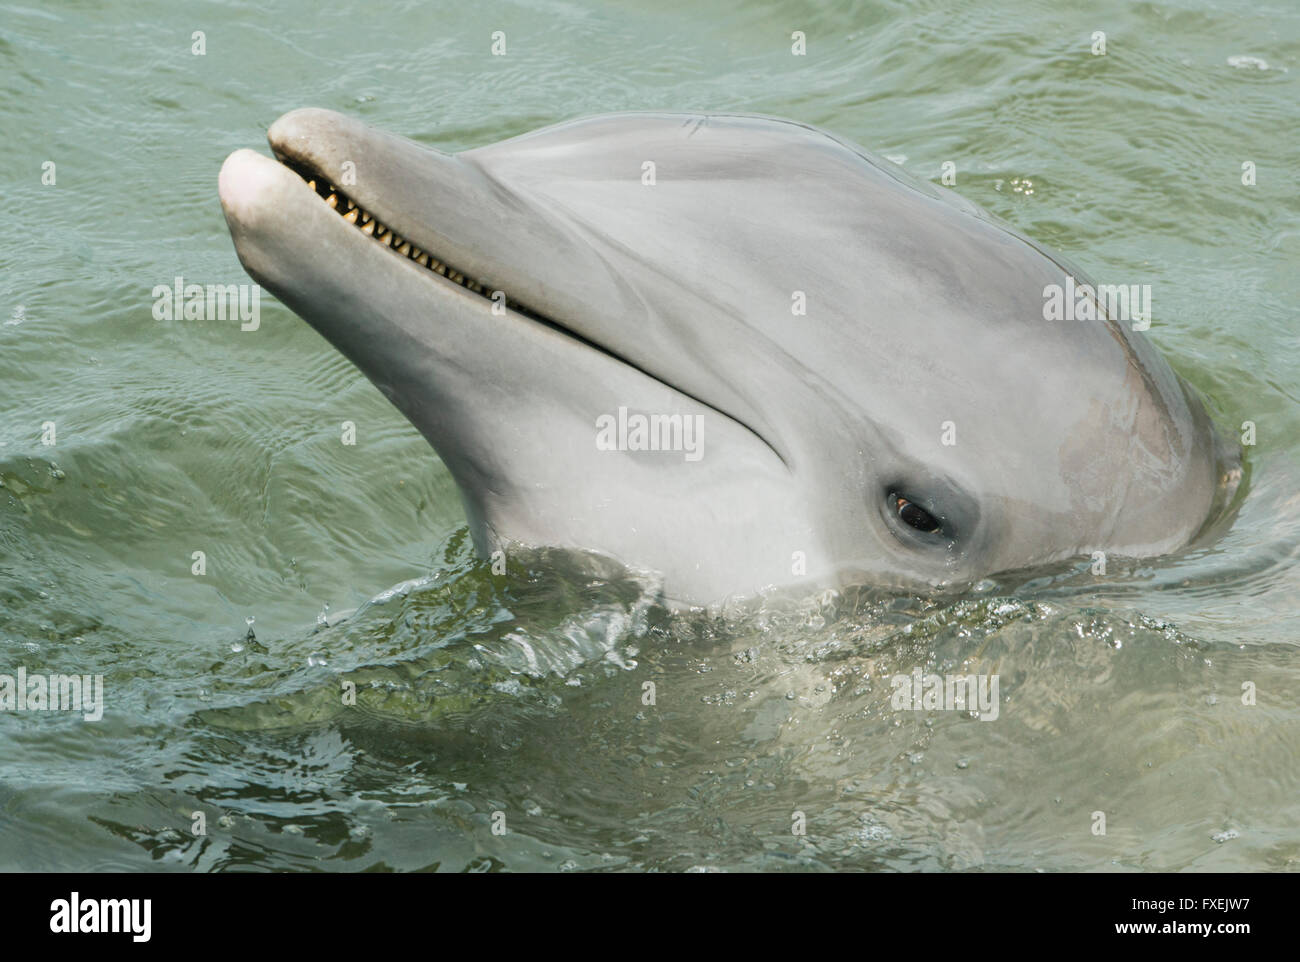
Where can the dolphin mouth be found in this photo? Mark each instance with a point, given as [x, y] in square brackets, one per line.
[337, 200]
[380, 228]
[371, 226]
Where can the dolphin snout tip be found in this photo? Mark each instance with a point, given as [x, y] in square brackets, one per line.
[246, 177]
[303, 123]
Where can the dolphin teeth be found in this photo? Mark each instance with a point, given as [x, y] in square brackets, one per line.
[371, 226]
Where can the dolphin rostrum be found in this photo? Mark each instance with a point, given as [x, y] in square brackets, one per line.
[736, 351]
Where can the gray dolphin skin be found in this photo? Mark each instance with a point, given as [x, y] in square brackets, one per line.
[849, 370]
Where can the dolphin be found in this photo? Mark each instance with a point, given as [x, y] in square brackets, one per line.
[737, 352]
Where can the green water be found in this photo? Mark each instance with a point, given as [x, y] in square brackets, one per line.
[523, 695]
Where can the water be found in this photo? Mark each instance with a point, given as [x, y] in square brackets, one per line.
[517, 702]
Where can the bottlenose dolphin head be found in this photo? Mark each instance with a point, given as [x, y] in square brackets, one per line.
[735, 351]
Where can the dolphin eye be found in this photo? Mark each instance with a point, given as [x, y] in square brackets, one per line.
[913, 514]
